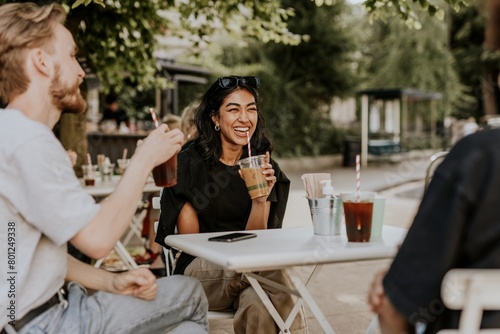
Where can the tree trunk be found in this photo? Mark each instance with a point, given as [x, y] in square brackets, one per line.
[491, 43]
[73, 136]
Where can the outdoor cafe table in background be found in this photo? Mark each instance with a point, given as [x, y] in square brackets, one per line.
[283, 249]
[101, 190]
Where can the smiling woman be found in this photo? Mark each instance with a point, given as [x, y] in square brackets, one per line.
[211, 196]
[234, 100]
[236, 121]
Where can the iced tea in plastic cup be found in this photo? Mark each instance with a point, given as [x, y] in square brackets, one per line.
[358, 215]
[165, 174]
[251, 171]
[89, 174]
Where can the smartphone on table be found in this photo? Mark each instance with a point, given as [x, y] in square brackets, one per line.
[231, 237]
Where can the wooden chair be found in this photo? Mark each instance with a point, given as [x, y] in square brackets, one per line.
[169, 260]
[472, 291]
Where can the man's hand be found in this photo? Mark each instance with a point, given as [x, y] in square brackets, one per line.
[390, 320]
[269, 172]
[160, 145]
[140, 283]
[376, 293]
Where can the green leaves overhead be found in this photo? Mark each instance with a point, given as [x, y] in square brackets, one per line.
[87, 2]
[383, 9]
[264, 20]
[119, 38]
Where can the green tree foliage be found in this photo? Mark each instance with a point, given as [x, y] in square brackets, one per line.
[299, 81]
[307, 78]
[409, 58]
[466, 44]
[443, 55]
[475, 57]
[119, 39]
[118, 36]
[408, 12]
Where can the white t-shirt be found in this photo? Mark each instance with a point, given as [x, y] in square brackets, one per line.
[42, 206]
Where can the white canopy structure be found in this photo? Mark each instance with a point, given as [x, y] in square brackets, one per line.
[392, 117]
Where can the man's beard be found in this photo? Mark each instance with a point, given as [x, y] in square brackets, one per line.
[66, 98]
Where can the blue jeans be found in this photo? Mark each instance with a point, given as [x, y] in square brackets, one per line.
[179, 307]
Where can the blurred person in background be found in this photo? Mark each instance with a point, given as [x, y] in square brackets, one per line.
[113, 112]
[188, 121]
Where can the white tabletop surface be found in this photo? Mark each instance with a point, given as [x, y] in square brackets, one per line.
[280, 248]
[105, 188]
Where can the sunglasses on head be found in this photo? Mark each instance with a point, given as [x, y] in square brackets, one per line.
[233, 81]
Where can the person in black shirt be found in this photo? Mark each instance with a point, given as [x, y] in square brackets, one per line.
[114, 112]
[456, 226]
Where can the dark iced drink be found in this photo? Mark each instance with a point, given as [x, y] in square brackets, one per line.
[358, 216]
[165, 174]
[358, 221]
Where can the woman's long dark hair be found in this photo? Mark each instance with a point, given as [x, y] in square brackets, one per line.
[209, 143]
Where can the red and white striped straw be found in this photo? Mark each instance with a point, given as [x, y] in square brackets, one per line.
[358, 176]
[248, 143]
[153, 116]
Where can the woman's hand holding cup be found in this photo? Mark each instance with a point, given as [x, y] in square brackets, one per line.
[258, 174]
[269, 172]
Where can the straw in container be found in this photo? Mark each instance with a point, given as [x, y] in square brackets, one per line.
[89, 159]
[124, 156]
[153, 116]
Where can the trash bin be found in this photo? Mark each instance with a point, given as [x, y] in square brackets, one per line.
[352, 146]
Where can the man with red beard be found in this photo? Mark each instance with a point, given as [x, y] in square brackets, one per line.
[43, 206]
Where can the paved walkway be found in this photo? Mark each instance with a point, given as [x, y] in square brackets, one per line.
[340, 289]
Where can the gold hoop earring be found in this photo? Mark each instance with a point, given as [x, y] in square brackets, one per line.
[217, 127]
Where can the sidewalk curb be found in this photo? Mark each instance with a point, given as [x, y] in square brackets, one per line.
[398, 184]
[307, 163]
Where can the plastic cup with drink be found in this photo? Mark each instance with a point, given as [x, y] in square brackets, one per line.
[358, 211]
[89, 174]
[165, 174]
[255, 180]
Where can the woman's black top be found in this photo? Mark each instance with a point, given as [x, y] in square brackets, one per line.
[218, 194]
